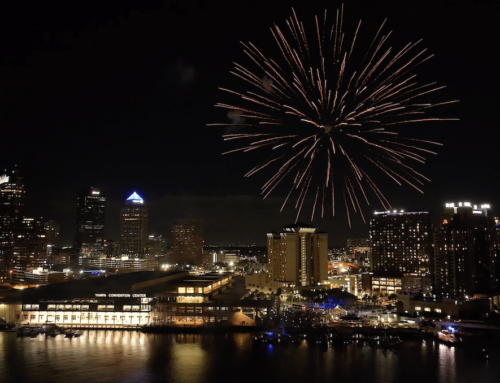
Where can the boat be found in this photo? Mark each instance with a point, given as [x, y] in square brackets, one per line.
[30, 331]
[272, 336]
[391, 342]
[448, 338]
[72, 334]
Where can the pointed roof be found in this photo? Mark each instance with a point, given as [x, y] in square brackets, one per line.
[135, 198]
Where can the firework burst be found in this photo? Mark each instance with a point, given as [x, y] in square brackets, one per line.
[321, 113]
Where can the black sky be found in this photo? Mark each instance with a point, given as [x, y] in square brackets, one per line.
[118, 95]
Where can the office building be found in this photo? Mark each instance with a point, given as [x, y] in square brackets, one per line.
[187, 241]
[134, 227]
[52, 233]
[298, 255]
[29, 249]
[401, 251]
[90, 208]
[156, 246]
[466, 252]
[12, 210]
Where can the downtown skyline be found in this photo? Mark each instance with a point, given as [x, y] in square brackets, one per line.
[120, 99]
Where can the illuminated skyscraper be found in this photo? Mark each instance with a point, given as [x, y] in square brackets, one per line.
[401, 252]
[298, 255]
[467, 256]
[134, 227]
[90, 208]
[187, 241]
[12, 210]
[29, 248]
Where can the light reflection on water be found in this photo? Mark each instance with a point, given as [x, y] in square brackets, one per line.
[125, 356]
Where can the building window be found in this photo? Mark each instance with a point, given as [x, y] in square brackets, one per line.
[26, 307]
[181, 290]
[427, 309]
[33, 317]
[73, 317]
[101, 307]
[65, 317]
[190, 290]
[127, 308]
[58, 317]
[418, 308]
[437, 310]
[85, 307]
[51, 307]
[60, 307]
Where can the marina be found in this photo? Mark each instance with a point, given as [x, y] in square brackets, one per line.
[209, 358]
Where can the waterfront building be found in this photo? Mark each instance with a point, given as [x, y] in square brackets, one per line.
[90, 209]
[140, 298]
[134, 227]
[401, 252]
[186, 241]
[298, 255]
[12, 210]
[466, 252]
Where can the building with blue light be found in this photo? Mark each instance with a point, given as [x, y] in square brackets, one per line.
[134, 227]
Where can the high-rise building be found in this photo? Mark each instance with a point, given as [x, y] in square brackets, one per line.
[156, 246]
[298, 255]
[134, 227]
[90, 208]
[401, 251]
[52, 233]
[186, 241]
[466, 252]
[29, 249]
[12, 210]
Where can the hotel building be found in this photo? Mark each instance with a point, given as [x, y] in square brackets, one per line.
[466, 252]
[401, 252]
[298, 255]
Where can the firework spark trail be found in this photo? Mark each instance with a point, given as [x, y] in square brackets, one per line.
[318, 97]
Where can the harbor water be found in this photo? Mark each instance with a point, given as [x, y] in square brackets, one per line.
[130, 356]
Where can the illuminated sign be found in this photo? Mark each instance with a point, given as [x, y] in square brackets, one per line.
[135, 198]
[119, 295]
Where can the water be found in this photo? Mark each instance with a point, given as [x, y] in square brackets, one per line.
[122, 356]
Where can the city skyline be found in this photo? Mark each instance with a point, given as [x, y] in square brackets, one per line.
[136, 110]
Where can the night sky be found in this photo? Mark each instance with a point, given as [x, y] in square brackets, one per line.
[118, 95]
